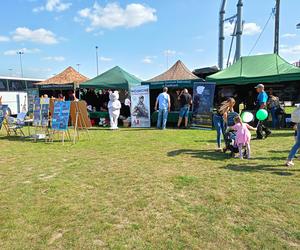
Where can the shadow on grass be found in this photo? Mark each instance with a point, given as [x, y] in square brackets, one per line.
[13, 138]
[203, 154]
[261, 167]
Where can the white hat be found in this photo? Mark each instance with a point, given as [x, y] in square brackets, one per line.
[260, 86]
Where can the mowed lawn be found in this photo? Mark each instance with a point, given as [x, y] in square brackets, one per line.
[148, 189]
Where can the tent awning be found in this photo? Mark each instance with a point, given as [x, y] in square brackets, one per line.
[266, 68]
[67, 77]
[115, 78]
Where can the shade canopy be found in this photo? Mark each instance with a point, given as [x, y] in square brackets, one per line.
[266, 68]
[177, 72]
[178, 76]
[67, 77]
[115, 78]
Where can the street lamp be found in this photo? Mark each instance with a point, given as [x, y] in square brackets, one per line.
[97, 60]
[78, 64]
[20, 53]
[298, 26]
[10, 72]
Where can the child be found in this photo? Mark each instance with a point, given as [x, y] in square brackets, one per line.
[243, 136]
[294, 149]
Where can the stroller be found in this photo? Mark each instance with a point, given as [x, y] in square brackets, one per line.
[230, 136]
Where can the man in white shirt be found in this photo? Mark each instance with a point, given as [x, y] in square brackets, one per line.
[164, 105]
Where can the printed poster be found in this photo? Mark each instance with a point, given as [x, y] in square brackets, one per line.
[3, 110]
[61, 114]
[203, 100]
[32, 94]
[140, 107]
[41, 112]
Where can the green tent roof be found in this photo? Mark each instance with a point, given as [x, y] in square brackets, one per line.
[115, 78]
[256, 69]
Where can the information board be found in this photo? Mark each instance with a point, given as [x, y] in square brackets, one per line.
[203, 99]
[41, 112]
[32, 94]
[140, 107]
[60, 116]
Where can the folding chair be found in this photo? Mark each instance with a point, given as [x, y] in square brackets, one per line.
[15, 125]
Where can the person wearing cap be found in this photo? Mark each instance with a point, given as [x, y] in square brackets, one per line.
[261, 103]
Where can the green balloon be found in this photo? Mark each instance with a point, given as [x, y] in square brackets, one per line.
[262, 114]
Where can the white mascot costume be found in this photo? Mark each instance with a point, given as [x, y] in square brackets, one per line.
[114, 107]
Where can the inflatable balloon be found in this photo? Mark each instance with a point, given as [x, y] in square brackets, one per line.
[247, 117]
[262, 114]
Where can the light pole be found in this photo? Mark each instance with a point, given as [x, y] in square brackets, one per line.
[10, 72]
[97, 60]
[78, 65]
[298, 26]
[20, 53]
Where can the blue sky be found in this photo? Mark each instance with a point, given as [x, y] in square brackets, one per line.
[136, 35]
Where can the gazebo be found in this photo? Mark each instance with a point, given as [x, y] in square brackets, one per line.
[115, 78]
[69, 79]
[176, 78]
[270, 69]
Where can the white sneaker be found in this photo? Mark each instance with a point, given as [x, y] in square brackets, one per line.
[289, 164]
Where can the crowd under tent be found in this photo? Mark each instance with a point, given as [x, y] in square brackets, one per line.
[63, 83]
[95, 91]
[176, 78]
[273, 71]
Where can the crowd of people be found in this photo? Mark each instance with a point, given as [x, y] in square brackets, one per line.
[226, 119]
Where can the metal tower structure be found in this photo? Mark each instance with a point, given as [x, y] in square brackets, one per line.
[239, 30]
[221, 34]
[276, 35]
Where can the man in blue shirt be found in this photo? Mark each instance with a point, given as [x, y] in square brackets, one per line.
[164, 105]
[262, 99]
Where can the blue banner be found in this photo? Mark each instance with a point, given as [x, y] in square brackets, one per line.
[203, 100]
[60, 116]
[3, 110]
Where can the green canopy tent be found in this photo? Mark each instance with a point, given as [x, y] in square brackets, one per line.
[115, 78]
[268, 68]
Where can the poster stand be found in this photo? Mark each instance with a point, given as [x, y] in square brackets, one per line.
[79, 119]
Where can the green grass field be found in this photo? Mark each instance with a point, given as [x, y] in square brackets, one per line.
[148, 189]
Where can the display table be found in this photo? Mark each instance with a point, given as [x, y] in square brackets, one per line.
[172, 117]
[98, 115]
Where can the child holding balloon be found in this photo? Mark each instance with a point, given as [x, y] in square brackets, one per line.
[243, 136]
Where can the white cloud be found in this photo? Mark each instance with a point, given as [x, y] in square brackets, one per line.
[249, 29]
[291, 50]
[24, 50]
[4, 39]
[112, 15]
[54, 58]
[289, 35]
[38, 36]
[199, 50]
[53, 5]
[170, 52]
[105, 59]
[148, 59]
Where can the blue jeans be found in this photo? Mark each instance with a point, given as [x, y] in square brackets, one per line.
[219, 126]
[296, 147]
[162, 117]
[275, 120]
[184, 112]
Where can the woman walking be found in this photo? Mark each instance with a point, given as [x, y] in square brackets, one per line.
[294, 149]
[220, 119]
